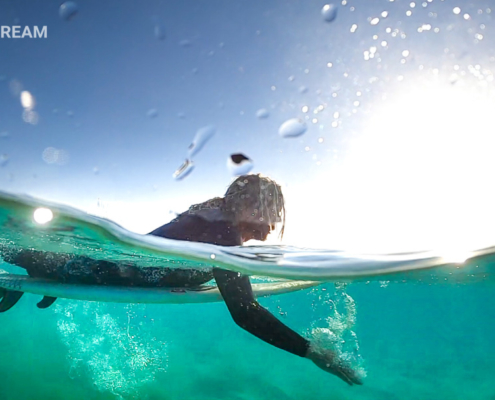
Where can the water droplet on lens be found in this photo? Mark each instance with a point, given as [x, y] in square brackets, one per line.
[4, 160]
[70, 114]
[96, 171]
[181, 116]
[239, 164]
[2, 78]
[68, 10]
[15, 87]
[329, 12]
[159, 32]
[262, 113]
[30, 116]
[303, 89]
[152, 113]
[185, 43]
[51, 155]
[202, 136]
[4, 135]
[27, 100]
[292, 128]
[184, 170]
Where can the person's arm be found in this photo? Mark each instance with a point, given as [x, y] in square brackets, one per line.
[238, 296]
[250, 315]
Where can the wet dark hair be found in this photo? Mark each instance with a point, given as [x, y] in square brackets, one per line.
[258, 195]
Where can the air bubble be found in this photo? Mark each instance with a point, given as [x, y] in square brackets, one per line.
[68, 10]
[292, 128]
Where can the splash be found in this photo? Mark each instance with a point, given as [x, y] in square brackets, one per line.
[335, 330]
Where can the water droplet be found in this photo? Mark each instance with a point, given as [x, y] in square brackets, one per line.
[68, 10]
[353, 28]
[152, 113]
[185, 43]
[293, 127]
[96, 171]
[70, 114]
[51, 155]
[239, 164]
[405, 53]
[4, 160]
[4, 135]
[15, 87]
[30, 116]
[329, 12]
[202, 136]
[303, 89]
[160, 32]
[456, 10]
[375, 21]
[184, 170]
[262, 113]
[27, 100]
[181, 115]
[2, 78]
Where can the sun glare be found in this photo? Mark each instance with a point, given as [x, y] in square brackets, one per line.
[418, 178]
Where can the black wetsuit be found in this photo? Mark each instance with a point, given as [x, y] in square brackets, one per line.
[235, 288]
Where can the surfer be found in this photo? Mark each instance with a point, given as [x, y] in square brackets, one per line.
[252, 208]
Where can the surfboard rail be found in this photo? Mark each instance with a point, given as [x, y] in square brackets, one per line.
[123, 294]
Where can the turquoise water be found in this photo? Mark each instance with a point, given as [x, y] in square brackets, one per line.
[419, 334]
[417, 342]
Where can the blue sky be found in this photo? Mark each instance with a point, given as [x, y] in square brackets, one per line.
[107, 69]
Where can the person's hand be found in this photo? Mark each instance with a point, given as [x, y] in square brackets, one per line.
[330, 361]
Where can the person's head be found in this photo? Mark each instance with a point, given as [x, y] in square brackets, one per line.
[257, 205]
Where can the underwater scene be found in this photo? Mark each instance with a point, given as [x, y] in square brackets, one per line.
[213, 199]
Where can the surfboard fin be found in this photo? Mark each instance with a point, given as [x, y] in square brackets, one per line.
[46, 302]
[10, 298]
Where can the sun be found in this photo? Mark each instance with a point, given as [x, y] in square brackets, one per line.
[420, 177]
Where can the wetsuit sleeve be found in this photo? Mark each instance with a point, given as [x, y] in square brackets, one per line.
[235, 288]
[250, 315]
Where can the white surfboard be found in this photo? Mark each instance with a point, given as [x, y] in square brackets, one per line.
[121, 294]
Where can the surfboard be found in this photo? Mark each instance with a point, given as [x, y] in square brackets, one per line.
[121, 294]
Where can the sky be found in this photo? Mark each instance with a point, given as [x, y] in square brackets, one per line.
[397, 97]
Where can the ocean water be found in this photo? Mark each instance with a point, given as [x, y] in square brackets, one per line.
[425, 332]
[375, 117]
